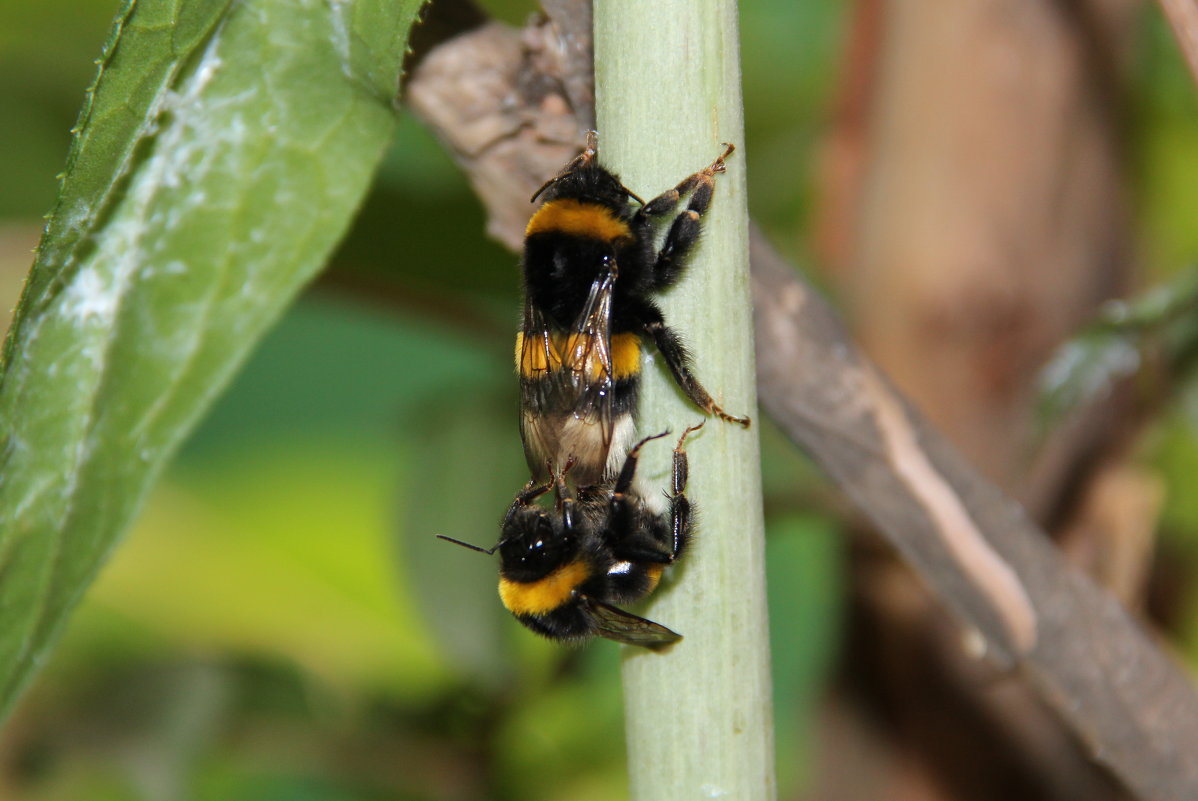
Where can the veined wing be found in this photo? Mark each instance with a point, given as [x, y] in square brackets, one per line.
[586, 380]
[568, 385]
[616, 624]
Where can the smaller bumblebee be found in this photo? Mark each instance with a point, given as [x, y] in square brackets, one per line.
[590, 266]
[563, 569]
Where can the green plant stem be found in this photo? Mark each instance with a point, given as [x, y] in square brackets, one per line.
[698, 716]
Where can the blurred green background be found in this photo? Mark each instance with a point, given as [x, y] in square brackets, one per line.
[281, 623]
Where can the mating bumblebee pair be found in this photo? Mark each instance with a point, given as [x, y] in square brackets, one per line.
[590, 265]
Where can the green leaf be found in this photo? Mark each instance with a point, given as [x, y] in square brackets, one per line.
[141, 60]
[454, 587]
[1159, 327]
[219, 158]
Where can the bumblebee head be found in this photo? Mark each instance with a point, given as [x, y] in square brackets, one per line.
[535, 543]
[589, 182]
[586, 180]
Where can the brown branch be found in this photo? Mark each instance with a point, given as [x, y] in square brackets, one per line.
[1025, 609]
[976, 234]
[1088, 657]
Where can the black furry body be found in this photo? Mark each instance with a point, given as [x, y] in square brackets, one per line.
[564, 569]
[590, 269]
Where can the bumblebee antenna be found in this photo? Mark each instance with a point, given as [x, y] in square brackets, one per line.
[487, 551]
[585, 157]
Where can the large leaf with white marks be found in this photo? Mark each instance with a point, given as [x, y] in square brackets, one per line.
[219, 157]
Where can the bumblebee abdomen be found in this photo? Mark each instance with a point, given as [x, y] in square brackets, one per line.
[535, 356]
[625, 356]
[566, 623]
[544, 594]
[628, 582]
[559, 437]
[573, 410]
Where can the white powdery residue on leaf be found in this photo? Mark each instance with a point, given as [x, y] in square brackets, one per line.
[90, 297]
[73, 220]
[207, 69]
[204, 131]
[70, 345]
[182, 104]
[92, 300]
[338, 9]
[237, 129]
[41, 486]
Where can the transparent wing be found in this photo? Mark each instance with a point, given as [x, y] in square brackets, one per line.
[569, 377]
[616, 624]
[586, 381]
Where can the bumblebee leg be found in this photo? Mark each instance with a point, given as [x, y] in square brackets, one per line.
[666, 201]
[532, 490]
[632, 539]
[680, 506]
[684, 231]
[628, 471]
[637, 535]
[678, 360]
[565, 496]
[623, 514]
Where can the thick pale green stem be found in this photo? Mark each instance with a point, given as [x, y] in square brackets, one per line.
[698, 716]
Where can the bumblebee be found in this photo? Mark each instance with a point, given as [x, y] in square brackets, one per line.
[589, 267]
[563, 569]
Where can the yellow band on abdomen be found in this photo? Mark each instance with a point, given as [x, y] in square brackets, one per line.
[543, 595]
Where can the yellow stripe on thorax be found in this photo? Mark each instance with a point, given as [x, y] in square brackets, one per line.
[535, 357]
[543, 595]
[577, 218]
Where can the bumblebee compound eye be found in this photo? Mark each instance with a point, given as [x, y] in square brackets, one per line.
[537, 546]
[545, 547]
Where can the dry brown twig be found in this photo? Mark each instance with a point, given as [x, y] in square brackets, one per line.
[488, 96]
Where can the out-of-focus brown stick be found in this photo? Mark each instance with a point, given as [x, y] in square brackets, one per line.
[488, 95]
[979, 210]
[1089, 659]
[1026, 610]
[1183, 18]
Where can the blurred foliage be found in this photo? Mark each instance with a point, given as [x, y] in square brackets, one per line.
[281, 623]
[1165, 107]
[1154, 334]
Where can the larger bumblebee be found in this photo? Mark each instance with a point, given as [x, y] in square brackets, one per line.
[563, 569]
[589, 266]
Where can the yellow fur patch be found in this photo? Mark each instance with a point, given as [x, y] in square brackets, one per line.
[543, 595]
[625, 355]
[654, 573]
[577, 218]
[535, 357]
